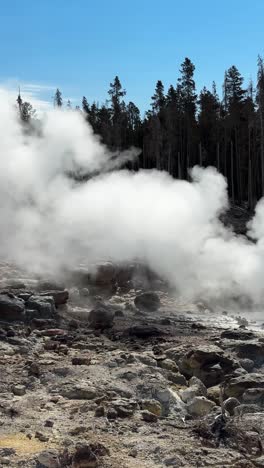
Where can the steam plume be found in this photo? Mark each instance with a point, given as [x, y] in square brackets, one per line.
[49, 222]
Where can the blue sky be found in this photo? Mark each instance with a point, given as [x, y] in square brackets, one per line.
[80, 45]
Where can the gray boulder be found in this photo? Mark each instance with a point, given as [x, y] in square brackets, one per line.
[43, 306]
[238, 385]
[11, 308]
[200, 406]
[208, 363]
[148, 301]
[60, 297]
[101, 317]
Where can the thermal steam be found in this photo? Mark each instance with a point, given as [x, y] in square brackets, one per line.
[50, 222]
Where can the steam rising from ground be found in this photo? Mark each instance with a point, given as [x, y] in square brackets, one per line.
[49, 222]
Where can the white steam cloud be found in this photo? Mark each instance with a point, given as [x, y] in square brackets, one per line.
[49, 222]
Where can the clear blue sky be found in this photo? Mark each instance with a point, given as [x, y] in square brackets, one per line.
[81, 45]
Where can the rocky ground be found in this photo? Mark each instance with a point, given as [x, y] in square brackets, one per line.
[111, 370]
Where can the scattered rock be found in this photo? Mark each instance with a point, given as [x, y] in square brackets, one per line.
[148, 301]
[99, 412]
[81, 360]
[230, 404]
[40, 307]
[247, 364]
[200, 406]
[19, 390]
[148, 416]
[42, 437]
[49, 458]
[144, 331]
[59, 297]
[168, 364]
[101, 317]
[244, 409]
[78, 392]
[238, 385]
[152, 406]
[208, 363]
[11, 308]
[254, 395]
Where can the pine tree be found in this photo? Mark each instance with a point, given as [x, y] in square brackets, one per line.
[158, 99]
[85, 105]
[187, 87]
[260, 102]
[58, 98]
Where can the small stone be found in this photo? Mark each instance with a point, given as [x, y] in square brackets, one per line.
[49, 423]
[148, 416]
[19, 390]
[247, 364]
[81, 361]
[168, 364]
[148, 301]
[177, 379]
[49, 459]
[42, 437]
[230, 404]
[111, 414]
[99, 412]
[34, 369]
[153, 406]
[200, 406]
[133, 453]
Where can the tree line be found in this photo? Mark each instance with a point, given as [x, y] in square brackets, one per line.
[183, 128]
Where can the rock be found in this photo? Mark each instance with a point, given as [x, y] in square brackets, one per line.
[244, 409]
[196, 388]
[59, 297]
[19, 390]
[148, 301]
[101, 317]
[254, 395]
[124, 407]
[230, 404]
[144, 331]
[49, 458]
[200, 406]
[88, 455]
[78, 392]
[148, 416]
[259, 462]
[11, 308]
[208, 363]
[34, 369]
[105, 274]
[237, 334]
[42, 437]
[253, 350]
[153, 406]
[238, 385]
[49, 423]
[247, 364]
[133, 453]
[168, 364]
[177, 379]
[49, 285]
[41, 324]
[43, 307]
[81, 360]
[175, 462]
[84, 458]
[214, 393]
[111, 414]
[99, 412]
[146, 359]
